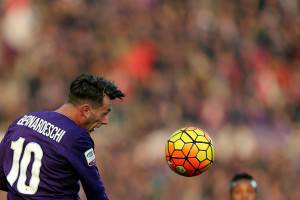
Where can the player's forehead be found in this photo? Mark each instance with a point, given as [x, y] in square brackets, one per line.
[243, 184]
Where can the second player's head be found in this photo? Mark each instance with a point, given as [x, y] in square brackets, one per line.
[92, 96]
[243, 187]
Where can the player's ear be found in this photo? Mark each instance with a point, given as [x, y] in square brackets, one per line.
[85, 110]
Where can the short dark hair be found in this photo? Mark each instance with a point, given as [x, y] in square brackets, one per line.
[91, 88]
[243, 176]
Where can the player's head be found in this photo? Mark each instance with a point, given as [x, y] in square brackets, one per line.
[243, 187]
[92, 96]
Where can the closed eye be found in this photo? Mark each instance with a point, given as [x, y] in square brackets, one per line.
[106, 113]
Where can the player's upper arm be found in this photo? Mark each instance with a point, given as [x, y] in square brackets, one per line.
[82, 158]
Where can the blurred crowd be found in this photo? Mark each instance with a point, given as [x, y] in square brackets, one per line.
[231, 67]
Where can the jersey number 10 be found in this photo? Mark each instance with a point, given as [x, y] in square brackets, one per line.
[19, 166]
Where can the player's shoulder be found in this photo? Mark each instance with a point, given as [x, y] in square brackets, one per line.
[74, 134]
[79, 138]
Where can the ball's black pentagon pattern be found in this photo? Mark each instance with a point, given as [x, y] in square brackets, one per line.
[191, 149]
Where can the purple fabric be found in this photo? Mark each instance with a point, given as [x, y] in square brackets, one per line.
[64, 162]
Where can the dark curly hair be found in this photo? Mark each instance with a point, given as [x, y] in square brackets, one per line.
[87, 87]
[243, 176]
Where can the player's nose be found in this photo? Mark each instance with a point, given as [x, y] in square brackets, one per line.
[105, 120]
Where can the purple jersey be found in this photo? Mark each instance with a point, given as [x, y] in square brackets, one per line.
[44, 155]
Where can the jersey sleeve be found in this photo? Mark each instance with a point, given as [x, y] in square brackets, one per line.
[82, 158]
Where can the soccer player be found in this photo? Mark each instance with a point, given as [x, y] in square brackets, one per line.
[44, 155]
[243, 187]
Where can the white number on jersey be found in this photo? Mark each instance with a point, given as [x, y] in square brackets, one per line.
[19, 166]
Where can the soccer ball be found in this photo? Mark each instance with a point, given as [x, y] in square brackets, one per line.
[189, 151]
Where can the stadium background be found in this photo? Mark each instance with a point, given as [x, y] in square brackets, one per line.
[231, 67]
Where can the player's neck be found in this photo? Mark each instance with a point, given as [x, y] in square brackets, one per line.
[69, 111]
